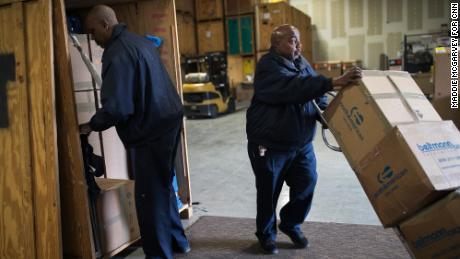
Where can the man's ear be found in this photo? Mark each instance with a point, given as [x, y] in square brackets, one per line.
[106, 25]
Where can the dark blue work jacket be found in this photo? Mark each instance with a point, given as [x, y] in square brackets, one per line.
[137, 95]
[282, 115]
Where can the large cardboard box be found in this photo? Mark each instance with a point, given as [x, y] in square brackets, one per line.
[211, 36]
[442, 73]
[435, 232]
[209, 9]
[116, 214]
[411, 168]
[360, 116]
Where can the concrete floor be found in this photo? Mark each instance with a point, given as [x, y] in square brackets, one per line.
[222, 181]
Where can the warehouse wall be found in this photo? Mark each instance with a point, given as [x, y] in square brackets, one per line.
[363, 29]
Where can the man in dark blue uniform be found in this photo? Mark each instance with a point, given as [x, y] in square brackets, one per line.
[139, 99]
[280, 127]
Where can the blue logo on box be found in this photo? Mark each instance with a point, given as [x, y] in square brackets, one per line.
[356, 116]
[437, 146]
[385, 175]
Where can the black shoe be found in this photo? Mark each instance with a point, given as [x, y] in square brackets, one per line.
[297, 237]
[268, 246]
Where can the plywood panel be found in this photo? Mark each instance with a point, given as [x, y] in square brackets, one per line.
[77, 239]
[375, 17]
[40, 74]
[356, 47]
[356, 11]
[158, 18]
[235, 70]
[211, 36]
[319, 11]
[374, 50]
[436, 9]
[414, 14]
[338, 18]
[187, 34]
[394, 10]
[394, 41]
[127, 14]
[185, 6]
[17, 238]
[209, 9]
[269, 17]
[236, 7]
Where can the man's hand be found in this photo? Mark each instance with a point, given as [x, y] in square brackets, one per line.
[85, 128]
[351, 77]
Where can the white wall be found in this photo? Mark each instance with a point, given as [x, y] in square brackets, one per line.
[363, 29]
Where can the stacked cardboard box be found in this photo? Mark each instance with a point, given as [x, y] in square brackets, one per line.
[362, 115]
[434, 232]
[116, 214]
[404, 155]
[442, 76]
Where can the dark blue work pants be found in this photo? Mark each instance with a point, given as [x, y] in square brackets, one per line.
[298, 169]
[156, 204]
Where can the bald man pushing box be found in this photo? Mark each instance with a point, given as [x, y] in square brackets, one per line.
[281, 123]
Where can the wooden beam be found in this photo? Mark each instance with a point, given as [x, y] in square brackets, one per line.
[76, 225]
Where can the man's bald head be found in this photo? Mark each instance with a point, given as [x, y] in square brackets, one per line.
[285, 40]
[100, 22]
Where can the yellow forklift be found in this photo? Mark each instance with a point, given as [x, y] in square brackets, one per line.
[206, 90]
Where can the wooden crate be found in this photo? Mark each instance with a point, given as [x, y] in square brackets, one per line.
[29, 219]
[268, 17]
[211, 36]
[187, 34]
[237, 7]
[271, 15]
[209, 9]
[235, 70]
[303, 23]
[185, 6]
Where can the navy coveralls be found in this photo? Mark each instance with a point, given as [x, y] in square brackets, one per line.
[280, 128]
[139, 99]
